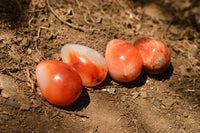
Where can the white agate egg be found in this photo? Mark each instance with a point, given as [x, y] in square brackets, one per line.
[90, 64]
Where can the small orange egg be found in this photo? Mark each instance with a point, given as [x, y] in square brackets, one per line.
[90, 64]
[155, 54]
[59, 83]
[123, 60]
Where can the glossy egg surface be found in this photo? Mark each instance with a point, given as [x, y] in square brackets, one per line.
[89, 63]
[155, 54]
[59, 83]
[123, 60]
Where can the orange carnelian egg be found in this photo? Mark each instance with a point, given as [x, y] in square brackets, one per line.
[90, 65]
[59, 83]
[123, 60]
[155, 54]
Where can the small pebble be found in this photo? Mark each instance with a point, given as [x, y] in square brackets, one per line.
[111, 90]
[184, 71]
[162, 106]
[144, 94]
[19, 39]
[168, 101]
[29, 51]
[12, 102]
[123, 98]
[25, 107]
[6, 93]
[35, 103]
[1, 38]
[24, 42]
[135, 95]
[185, 114]
[157, 104]
[150, 95]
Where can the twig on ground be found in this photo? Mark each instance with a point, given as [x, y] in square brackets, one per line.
[42, 56]
[85, 18]
[30, 80]
[67, 23]
[136, 126]
[39, 31]
[13, 75]
[9, 69]
[91, 2]
[77, 2]
[29, 22]
[37, 38]
[3, 69]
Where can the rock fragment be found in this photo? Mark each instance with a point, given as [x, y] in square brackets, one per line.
[8, 86]
[123, 98]
[135, 95]
[144, 94]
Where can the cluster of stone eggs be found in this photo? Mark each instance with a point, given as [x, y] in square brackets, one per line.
[61, 82]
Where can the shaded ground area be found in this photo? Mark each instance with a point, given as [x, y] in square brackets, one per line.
[30, 33]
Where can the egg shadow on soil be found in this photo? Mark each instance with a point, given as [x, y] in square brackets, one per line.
[81, 103]
[106, 82]
[164, 75]
[139, 81]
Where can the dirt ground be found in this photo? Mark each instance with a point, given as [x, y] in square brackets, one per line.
[30, 32]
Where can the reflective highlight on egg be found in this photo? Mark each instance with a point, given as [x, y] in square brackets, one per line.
[123, 60]
[155, 54]
[59, 83]
[90, 64]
